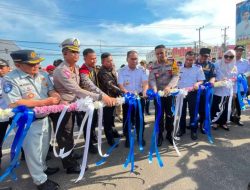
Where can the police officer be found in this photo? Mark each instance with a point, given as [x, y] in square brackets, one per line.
[164, 75]
[108, 83]
[209, 71]
[89, 80]
[27, 86]
[243, 66]
[66, 82]
[191, 75]
[4, 69]
[132, 78]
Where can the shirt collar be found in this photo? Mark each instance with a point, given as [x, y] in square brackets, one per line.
[89, 68]
[189, 67]
[132, 69]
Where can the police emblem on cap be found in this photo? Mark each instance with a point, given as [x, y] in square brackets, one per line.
[32, 54]
[75, 42]
[7, 87]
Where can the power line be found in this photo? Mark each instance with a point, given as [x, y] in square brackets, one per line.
[96, 45]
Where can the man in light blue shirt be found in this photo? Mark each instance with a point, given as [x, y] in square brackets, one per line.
[27, 86]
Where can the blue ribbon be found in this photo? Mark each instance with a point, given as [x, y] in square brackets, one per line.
[242, 80]
[153, 147]
[141, 124]
[198, 97]
[23, 118]
[110, 150]
[208, 103]
[130, 99]
[173, 101]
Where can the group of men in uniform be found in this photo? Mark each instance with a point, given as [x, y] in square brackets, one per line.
[25, 85]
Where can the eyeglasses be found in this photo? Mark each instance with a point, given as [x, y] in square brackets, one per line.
[228, 56]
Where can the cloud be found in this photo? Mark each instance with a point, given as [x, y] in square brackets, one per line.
[213, 14]
[175, 22]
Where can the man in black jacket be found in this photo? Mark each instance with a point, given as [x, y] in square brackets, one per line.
[108, 84]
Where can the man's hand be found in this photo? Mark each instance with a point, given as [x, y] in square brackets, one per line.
[196, 86]
[52, 101]
[108, 101]
[167, 90]
[64, 102]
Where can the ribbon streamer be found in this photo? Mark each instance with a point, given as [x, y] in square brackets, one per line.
[130, 99]
[153, 147]
[23, 119]
[90, 112]
[208, 102]
[177, 116]
[196, 111]
[141, 124]
[242, 81]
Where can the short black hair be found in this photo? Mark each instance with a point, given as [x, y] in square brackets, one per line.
[105, 55]
[160, 46]
[130, 52]
[87, 51]
[190, 53]
[57, 62]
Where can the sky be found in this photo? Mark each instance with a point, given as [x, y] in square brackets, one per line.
[115, 26]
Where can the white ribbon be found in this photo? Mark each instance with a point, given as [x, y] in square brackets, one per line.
[5, 114]
[61, 154]
[90, 112]
[100, 127]
[82, 105]
[230, 102]
[177, 115]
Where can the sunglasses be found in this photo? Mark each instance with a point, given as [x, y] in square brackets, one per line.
[228, 56]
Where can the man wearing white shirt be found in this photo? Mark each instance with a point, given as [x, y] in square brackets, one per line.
[133, 79]
[243, 66]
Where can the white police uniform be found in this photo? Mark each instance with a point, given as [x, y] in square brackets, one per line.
[19, 85]
[190, 75]
[132, 80]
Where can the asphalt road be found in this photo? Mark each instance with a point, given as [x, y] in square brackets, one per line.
[224, 165]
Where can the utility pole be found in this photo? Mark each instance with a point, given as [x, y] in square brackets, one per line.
[199, 29]
[224, 45]
[195, 46]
